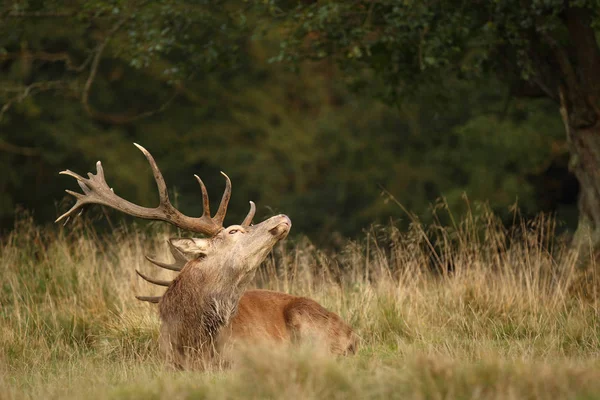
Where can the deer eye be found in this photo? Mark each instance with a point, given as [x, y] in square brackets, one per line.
[231, 232]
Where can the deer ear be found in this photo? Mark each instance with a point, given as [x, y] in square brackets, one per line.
[190, 248]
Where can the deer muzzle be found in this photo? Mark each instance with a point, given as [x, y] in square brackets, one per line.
[282, 227]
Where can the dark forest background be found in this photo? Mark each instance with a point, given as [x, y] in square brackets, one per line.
[289, 101]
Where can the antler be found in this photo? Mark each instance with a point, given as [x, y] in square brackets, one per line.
[180, 261]
[157, 282]
[96, 191]
[149, 299]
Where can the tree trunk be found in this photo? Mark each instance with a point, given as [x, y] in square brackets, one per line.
[585, 164]
[584, 143]
[579, 95]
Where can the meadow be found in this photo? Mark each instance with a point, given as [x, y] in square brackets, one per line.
[471, 310]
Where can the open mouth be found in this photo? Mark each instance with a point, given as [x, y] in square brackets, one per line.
[281, 230]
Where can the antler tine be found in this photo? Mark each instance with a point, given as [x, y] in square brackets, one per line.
[71, 210]
[163, 193]
[100, 170]
[84, 187]
[205, 202]
[220, 215]
[154, 281]
[73, 174]
[171, 267]
[149, 299]
[81, 201]
[248, 219]
[179, 257]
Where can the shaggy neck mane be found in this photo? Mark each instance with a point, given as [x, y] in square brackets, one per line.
[197, 306]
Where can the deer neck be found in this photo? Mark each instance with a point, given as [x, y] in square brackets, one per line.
[200, 303]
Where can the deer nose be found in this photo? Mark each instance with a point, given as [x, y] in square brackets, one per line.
[283, 224]
[286, 219]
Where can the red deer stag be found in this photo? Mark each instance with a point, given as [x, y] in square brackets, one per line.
[205, 309]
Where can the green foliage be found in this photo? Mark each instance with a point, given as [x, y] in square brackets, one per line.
[294, 142]
[411, 44]
[531, 48]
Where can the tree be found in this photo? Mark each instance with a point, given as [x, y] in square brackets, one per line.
[184, 79]
[537, 48]
[60, 47]
[77, 75]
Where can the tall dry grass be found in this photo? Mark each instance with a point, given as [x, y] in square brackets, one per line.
[470, 310]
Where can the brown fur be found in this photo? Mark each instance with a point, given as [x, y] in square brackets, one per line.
[283, 318]
[205, 318]
[207, 313]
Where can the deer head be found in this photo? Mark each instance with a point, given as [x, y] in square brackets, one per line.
[237, 247]
[233, 252]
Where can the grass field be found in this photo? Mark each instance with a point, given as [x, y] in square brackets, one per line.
[513, 318]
